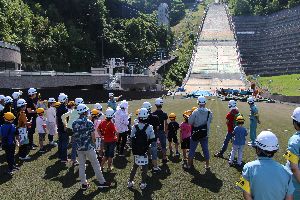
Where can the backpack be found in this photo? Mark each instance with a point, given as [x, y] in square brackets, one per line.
[235, 117]
[140, 141]
[200, 132]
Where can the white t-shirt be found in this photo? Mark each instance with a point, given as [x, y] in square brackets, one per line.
[51, 115]
[40, 121]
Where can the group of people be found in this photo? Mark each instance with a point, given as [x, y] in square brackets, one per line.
[98, 136]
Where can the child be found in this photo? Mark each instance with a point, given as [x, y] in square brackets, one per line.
[173, 126]
[109, 136]
[51, 119]
[185, 134]
[136, 120]
[41, 127]
[22, 128]
[8, 133]
[239, 140]
[98, 107]
[95, 114]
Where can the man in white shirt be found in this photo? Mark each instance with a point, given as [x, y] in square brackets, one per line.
[51, 121]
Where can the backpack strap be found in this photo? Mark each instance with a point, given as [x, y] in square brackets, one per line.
[145, 128]
[208, 113]
[137, 128]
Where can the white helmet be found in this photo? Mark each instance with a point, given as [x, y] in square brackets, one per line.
[267, 141]
[16, 95]
[31, 91]
[78, 101]
[82, 108]
[98, 106]
[62, 97]
[2, 97]
[109, 113]
[231, 104]
[296, 115]
[143, 113]
[124, 104]
[201, 100]
[159, 102]
[110, 94]
[1, 107]
[147, 105]
[250, 100]
[51, 100]
[21, 102]
[7, 100]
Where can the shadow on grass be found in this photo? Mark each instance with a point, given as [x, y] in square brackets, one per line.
[120, 162]
[53, 171]
[207, 180]
[4, 177]
[199, 156]
[174, 159]
[69, 179]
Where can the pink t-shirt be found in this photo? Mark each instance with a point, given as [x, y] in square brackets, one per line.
[96, 125]
[186, 130]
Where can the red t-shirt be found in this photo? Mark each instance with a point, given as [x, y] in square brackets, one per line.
[230, 117]
[108, 131]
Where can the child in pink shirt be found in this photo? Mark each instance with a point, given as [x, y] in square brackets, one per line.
[185, 134]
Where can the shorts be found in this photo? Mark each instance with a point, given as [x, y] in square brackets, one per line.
[109, 148]
[52, 128]
[173, 137]
[163, 140]
[185, 144]
[42, 136]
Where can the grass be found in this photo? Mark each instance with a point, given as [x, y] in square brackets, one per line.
[45, 178]
[288, 85]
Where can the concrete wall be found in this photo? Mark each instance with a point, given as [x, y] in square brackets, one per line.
[8, 55]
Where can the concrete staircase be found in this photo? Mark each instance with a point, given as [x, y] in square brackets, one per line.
[215, 61]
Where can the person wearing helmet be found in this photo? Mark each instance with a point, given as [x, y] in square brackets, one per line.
[136, 120]
[68, 118]
[51, 121]
[84, 138]
[22, 130]
[200, 121]
[163, 125]
[63, 137]
[293, 152]
[141, 136]
[16, 97]
[109, 135]
[173, 127]
[121, 123]
[265, 178]
[254, 119]
[41, 128]
[230, 122]
[8, 133]
[154, 121]
[239, 141]
[1, 109]
[95, 115]
[8, 105]
[185, 134]
[31, 115]
[99, 107]
[112, 101]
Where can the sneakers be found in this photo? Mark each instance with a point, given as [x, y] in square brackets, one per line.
[177, 153]
[156, 169]
[130, 184]
[143, 186]
[75, 163]
[84, 187]
[53, 143]
[34, 145]
[231, 164]
[103, 185]
[42, 150]
[121, 155]
[219, 155]
[251, 144]
[25, 158]
[32, 148]
[10, 172]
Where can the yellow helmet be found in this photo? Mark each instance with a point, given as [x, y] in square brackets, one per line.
[187, 113]
[172, 116]
[194, 108]
[40, 110]
[57, 104]
[137, 112]
[95, 112]
[71, 103]
[9, 116]
[240, 119]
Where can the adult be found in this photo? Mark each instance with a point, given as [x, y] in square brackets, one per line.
[84, 137]
[122, 122]
[63, 138]
[31, 115]
[293, 153]
[163, 126]
[200, 120]
[112, 101]
[230, 122]
[254, 119]
[154, 121]
[265, 178]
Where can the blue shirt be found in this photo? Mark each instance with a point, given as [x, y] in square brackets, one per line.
[253, 112]
[112, 104]
[83, 129]
[268, 179]
[8, 132]
[240, 134]
[294, 147]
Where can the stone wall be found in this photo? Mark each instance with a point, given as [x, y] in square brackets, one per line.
[8, 55]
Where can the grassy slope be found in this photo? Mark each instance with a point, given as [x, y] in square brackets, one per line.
[45, 178]
[286, 84]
